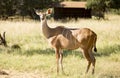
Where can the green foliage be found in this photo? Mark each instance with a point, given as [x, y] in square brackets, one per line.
[98, 7]
[25, 7]
[115, 4]
[101, 4]
[8, 7]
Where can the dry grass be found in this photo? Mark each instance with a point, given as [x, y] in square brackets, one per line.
[36, 59]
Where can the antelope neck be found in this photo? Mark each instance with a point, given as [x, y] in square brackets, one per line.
[45, 28]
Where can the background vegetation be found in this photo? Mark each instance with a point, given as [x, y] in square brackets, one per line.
[26, 7]
[36, 59]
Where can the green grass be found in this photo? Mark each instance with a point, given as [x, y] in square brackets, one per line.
[37, 55]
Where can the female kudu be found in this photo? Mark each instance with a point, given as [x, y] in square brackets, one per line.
[68, 38]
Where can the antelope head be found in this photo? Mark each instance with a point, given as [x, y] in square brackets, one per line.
[43, 14]
[3, 40]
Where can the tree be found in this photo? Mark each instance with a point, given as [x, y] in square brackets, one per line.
[25, 7]
[7, 8]
[98, 7]
[115, 4]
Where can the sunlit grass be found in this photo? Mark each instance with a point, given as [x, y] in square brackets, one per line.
[36, 54]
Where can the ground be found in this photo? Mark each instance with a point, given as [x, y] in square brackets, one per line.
[16, 74]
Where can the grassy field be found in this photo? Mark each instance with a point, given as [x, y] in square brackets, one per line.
[36, 59]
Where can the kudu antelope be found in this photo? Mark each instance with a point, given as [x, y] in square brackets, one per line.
[3, 40]
[68, 38]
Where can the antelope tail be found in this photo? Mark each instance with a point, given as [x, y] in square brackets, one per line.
[95, 49]
[95, 39]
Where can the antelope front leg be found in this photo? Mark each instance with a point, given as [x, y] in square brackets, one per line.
[57, 59]
[60, 60]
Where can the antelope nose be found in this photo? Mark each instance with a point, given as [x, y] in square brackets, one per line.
[42, 18]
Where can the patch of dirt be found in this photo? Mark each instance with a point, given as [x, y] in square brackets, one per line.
[15, 74]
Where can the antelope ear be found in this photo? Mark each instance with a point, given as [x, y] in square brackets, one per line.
[38, 12]
[1, 37]
[4, 34]
[49, 11]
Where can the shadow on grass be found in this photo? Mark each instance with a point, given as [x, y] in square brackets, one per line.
[105, 51]
[47, 51]
[50, 51]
